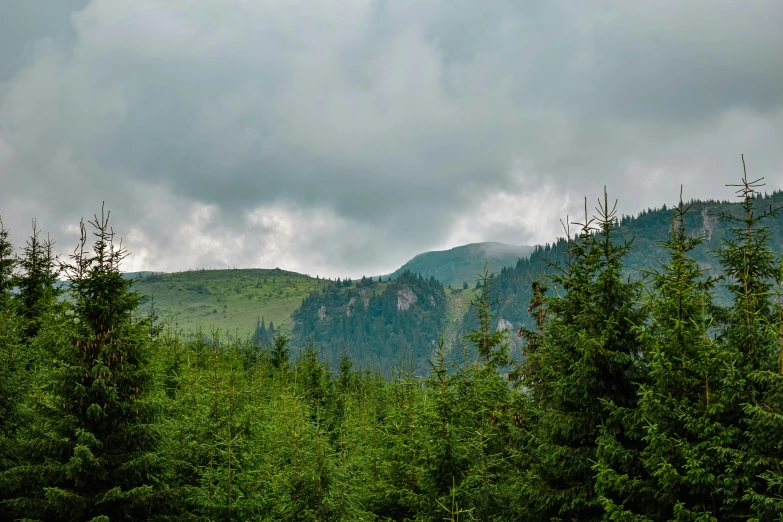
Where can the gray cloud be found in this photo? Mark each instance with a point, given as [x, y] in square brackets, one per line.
[343, 138]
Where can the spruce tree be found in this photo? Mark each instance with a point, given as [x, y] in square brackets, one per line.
[765, 417]
[280, 352]
[580, 374]
[491, 344]
[7, 265]
[226, 491]
[675, 423]
[97, 450]
[753, 388]
[39, 269]
[12, 369]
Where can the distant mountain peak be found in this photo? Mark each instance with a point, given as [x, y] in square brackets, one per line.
[462, 264]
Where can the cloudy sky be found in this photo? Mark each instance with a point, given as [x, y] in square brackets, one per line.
[344, 137]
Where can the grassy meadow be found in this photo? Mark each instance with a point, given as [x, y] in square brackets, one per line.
[231, 300]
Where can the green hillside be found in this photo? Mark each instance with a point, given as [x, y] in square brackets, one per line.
[376, 324]
[647, 230]
[231, 300]
[463, 263]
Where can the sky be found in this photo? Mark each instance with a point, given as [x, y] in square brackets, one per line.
[342, 138]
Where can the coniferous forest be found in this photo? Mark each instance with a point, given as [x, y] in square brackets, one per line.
[637, 398]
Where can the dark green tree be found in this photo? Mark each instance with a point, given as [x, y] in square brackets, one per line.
[39, 269]
[12, 372]
[752, 389]
[679, 472]
[280, 351]
[491, 344]
[581, 375]
[97, 450]
[7, 265]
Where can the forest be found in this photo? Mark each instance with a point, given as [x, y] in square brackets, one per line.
[647, 398]
[377, 324]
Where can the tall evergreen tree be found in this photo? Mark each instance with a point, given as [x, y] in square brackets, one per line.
[753, 389]
[97, 451]
[39, 269]
[491, 344]
[7, 265]
[581, 374]
[280, 351]
[11, 372]
[675, 422]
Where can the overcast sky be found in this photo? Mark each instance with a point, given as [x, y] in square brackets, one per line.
[343, 137]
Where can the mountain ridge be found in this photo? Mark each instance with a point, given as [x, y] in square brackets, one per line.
[462, 264]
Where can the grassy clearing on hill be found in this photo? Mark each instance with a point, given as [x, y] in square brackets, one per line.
[231, 300]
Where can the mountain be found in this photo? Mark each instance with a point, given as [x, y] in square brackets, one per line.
[367, 319]
[647, 230]
[377, 324]
[462, 264]
[232, 300]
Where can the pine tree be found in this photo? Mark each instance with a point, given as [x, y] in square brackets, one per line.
[581, 376]
[446, 457]
[36, 282]
[491, 344]
[679, 473]
[753, 390]
[7, 265]
[280, 351]
[97, 451]
[765, 417]
[12, 367]
[226, 488]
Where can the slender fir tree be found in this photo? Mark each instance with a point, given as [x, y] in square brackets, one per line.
[37, 282]
[97, 450]
[675, 423]
[280, 351]
[753, 389]
[7, 265]
[582, 375]
[12, 366]
[491, 344]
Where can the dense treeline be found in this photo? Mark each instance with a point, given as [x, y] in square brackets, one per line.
[638, 399]
[378, 323]
[512, 286]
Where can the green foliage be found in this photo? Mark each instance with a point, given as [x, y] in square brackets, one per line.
[13, 381]
[513, 284]
[95, 450]
[7, 265]
[280, 352]
[749, 335]
[12, 371]
[237, 297]
[379, 324]
[582, 374]
[676, 421]
[492, 345]
[37, 281]
[636, 398]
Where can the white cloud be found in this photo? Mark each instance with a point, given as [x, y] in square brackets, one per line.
[345, 137]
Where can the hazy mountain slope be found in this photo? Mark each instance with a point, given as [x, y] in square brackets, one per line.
[464, 263]
[512, 285]
[229, 299]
